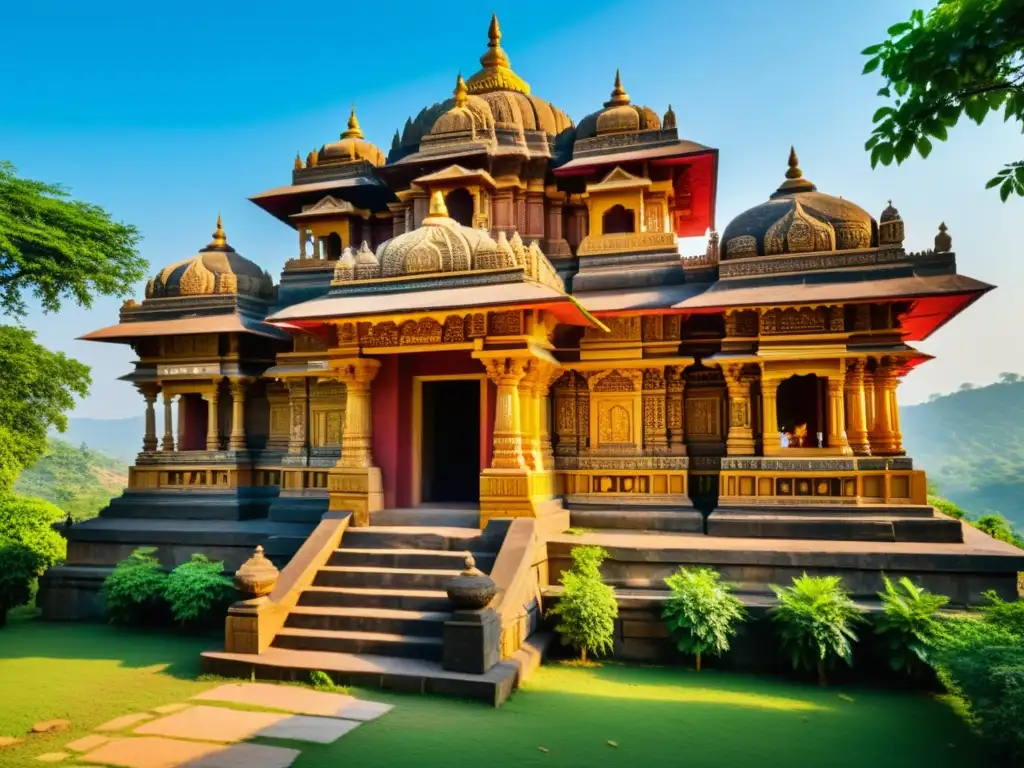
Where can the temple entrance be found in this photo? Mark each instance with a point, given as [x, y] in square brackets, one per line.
[460, 206]
[450, 459]
[704, 409]
[801, 411]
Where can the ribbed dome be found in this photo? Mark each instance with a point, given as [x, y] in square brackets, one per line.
[469, 114]
[618, 116]
[350, 147]
[217, 269]
[798, 218]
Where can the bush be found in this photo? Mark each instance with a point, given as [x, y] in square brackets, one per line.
[587, 609]
[28, 546]
[909, 623]
[947, 507]
[198, 591]
[1005, 615]
[702, 614]
[134, 592]
[815, 618]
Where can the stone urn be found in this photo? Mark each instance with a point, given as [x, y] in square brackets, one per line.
[257, 576]
[472, 589]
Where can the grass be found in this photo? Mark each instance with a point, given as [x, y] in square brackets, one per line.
[655, 716]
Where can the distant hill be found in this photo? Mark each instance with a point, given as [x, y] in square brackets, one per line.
[971, 443]
[79, 480]
[120, 438]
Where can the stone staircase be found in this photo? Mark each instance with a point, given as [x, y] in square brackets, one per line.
[382, 592]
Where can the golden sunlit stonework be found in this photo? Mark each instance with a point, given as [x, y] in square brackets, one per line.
[526, 324]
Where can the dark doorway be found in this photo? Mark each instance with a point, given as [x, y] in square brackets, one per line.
[460, 206]
[618, 219]
[800, 405]
[451, 441]
[333, 245]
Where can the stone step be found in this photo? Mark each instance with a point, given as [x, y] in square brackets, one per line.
[378, 620]
[420, 537]
[375, 643]
[834, 527]
[449, 517]
[834, 510]
[678, 521]
[368, 598]
[397, 578]
[410, 558]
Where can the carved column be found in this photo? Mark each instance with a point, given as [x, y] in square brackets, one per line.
[212, 419]
[837, 416]
[675, 386]
[149, 441]
[542, 398]
[856, 409]
[298, 402]
[236, 442]
[883, 436]
[356, 438]
[506, 373]
[770, 437]
[740, 441]
[655, 430]
[302, 242]
[168, 441]
[528, 426]
[894, 409]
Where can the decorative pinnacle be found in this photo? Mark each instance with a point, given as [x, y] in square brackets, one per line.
[494, 32]
[438, 208]
[461, 93]
[298, 160]
[794, 171]
[495, 55]
[619, 95]
[220, 240]
[354, 131]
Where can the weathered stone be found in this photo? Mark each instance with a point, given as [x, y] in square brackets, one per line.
[9, 741]
[318, 730]
[294, 699]
[53, 757]
[217, 724]
[124, 722]
[87, 743]
[151, 752]
[51, 726]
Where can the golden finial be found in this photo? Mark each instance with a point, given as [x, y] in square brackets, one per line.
[494, 32]
[943, 242]
[795, 181]
[461, 94]
[669, 120]
[794, 171]
[314, 158]
[298, 161]
[495, 55]
[619, 95]
[437, 205]
[220, 240]
[354, 131]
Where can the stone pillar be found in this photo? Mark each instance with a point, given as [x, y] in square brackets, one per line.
[302, 242]
[212, 420]
[770, 436]
[837, 416]
[533, 227]
[168, 441]
[883, 436]
[856, 409]
[542, 396]
[149, 442]
[236, 442]
[527, 421]
[675, 386]
[356, 438]
[506, 373]
[298, 401]
[740, 441]
[894, 409]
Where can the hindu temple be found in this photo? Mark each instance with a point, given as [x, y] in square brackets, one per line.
[490, 341]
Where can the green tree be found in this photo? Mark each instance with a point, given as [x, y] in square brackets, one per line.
[815, 618]
[56, 248]
[198, 591]
[587, 609]
[702, 614]
[28, 546]
[962, 57]
[909, 623]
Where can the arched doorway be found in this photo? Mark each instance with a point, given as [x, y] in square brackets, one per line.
[460, 206]
[800, 405]
[618, 219]
[333, 244]
[704, 431]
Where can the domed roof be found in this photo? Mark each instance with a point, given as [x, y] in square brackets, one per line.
[217, 269]
[618, 116]
[798, 218]
[350, 147]
[469, 114]
[441, 244]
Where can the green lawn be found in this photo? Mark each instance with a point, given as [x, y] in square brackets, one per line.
[657, 717]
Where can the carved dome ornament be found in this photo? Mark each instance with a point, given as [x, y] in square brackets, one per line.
[497, 74]
[890, 228]
[217, 269]
[620, 115]
[257, 576]
[350, 147]
[472, 589]
[469, 114]
[797, 218]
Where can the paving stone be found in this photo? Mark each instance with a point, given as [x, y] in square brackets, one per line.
[53, 757]
[153, 752]
[168, 709]
[319, 730]
[86, 743]
[219, 724]
[51, 726]
[291, 698]
[125, 721]
[9, 741]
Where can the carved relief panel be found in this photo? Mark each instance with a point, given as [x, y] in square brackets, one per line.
[703, 411]
[616, 402]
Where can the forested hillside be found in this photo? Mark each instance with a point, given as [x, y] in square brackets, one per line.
[78, 480]
[971, 442]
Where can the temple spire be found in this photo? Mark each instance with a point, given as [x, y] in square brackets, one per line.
[795, 181]
[495, 55]
[437, 205]
[220, 240]
[461, 93]
[619, 95]
[354, 131]
[794, 171]
[496, 73]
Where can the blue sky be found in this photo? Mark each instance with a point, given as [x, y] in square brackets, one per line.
[167, 114]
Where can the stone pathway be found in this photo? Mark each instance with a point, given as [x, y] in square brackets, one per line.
[205, 735]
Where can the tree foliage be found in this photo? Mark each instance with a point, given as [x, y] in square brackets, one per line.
[28, 546]
[702, 614]
[37, 388]
[909, 623]
[815, 619]
[587, 609]
[56, 248]
[962, 57]
[134, 592]
[198, 591]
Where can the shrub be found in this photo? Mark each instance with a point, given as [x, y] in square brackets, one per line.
[1006, 615]
[815, 618]
[947, 507]
[909, 622]
[28, 546]
[587, 609]
[134, 591]
[702, 614]
[198, 591]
